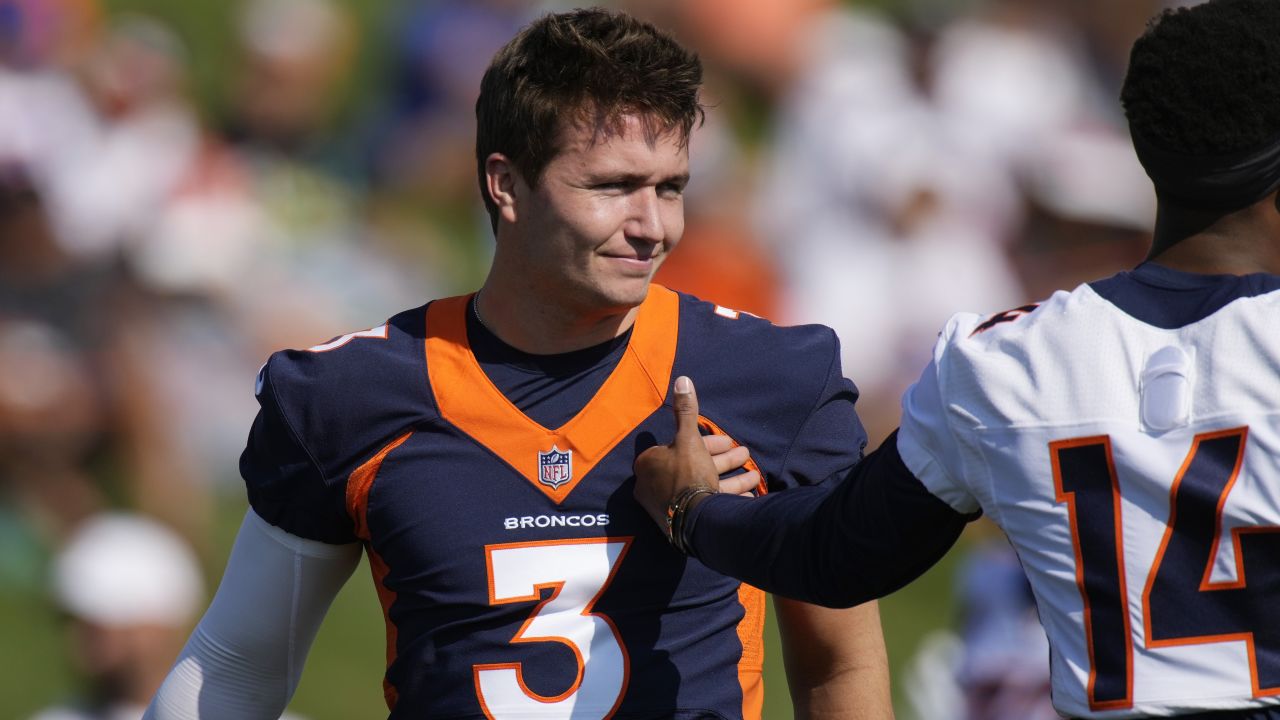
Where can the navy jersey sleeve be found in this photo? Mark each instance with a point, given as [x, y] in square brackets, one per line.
[286, 484]
[838, 545]
[831, 438]
[778, 390]
[324, 412]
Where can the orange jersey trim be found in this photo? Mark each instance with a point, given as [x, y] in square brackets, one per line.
[359, 485]
[751, 627]
[635, 389]
[1206, 584]
[751, 635]
[556, 587]
[379, 569]
[707, 425]
[1069, 498]
[1213, 552]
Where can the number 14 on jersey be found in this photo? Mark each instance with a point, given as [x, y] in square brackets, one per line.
[1181, 603]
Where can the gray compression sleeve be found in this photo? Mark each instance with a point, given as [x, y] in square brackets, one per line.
[245, 657]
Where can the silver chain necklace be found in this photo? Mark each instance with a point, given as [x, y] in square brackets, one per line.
[475, 310]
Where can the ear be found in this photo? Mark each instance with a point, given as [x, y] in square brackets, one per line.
[504, 185]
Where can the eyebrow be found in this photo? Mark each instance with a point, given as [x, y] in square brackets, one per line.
[637, 178]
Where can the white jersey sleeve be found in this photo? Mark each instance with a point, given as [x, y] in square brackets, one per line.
[926, 442]
[245, 657]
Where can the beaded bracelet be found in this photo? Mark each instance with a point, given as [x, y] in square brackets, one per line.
[678, 510]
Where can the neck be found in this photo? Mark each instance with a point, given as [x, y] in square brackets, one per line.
[539, 326]
[1237, 243]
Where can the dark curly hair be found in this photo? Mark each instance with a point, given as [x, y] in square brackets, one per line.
[1205, 80]
[592, 66]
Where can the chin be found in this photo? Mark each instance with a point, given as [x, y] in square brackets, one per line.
[625, 295]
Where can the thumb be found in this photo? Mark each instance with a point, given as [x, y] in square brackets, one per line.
[685, 405]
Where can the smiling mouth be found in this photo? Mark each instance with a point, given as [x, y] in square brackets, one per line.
[640, 265]
[638, 254]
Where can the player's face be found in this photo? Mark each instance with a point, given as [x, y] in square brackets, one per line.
[603, 216]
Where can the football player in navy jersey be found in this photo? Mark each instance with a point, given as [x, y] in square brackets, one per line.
[480, 448]
[1125, 435]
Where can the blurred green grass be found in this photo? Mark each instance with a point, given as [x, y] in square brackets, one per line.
[343, 677]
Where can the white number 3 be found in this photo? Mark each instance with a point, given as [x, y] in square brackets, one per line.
[578, 571]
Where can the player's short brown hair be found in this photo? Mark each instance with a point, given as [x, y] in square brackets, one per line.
[590, 66]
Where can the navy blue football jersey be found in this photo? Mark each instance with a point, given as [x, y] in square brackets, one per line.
[517, 575]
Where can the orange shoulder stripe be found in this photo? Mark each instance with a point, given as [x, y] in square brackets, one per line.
[359, 485]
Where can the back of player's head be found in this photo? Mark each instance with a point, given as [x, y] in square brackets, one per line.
[1202, 97]
[586, 66]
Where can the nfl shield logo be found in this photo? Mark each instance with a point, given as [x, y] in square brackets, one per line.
[555, 468]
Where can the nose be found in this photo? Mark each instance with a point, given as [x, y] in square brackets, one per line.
[644, 217]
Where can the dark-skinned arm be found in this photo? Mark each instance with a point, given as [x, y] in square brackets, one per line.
[871, 533]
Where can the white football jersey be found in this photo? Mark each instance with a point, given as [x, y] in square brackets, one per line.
[1136, 471]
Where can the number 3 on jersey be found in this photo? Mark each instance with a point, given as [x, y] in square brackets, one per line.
[577, 571]
[1181, 605]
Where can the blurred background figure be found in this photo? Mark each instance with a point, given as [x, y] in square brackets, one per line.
[418, 135]
[425, 137]
[995, 666]
[140, 139]
[1004, 667]
[295, 56]
[130, 590]
[864, 202]
[50, 420]
[187, 187]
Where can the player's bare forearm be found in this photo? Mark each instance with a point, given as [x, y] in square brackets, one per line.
[835, 659]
